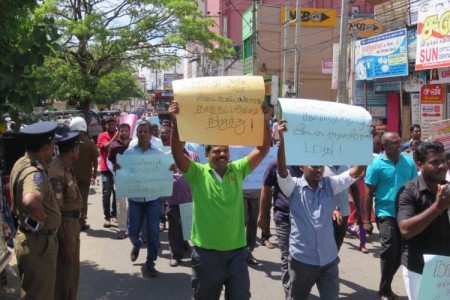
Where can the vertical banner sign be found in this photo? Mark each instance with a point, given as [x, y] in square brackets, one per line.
[221, 110]
[431, 107]
[415, 108]
[381, 56]
[326, 133]
[433, 41]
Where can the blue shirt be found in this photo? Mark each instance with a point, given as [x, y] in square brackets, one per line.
[311, 240]
[388, 178]
[136, 150]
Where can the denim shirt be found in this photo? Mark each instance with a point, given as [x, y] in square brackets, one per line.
[136, 150]
[312, 237]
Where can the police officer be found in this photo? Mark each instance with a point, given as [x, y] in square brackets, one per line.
[85, 168]
[36, 244]
[68, 197]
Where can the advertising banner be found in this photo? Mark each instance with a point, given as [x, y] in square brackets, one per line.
[440, 132]
[433, 35]
[314, 17]
[432, 94]
[381, 56]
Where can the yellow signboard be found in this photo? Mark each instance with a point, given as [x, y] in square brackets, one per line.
[221, 110]
[313, 17]
[364, 27]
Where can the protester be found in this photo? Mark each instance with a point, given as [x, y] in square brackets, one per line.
[165, 135]
[146, 207]
[104, 140]
[422, 214]
[68, 196]
[219, 257]
[38, 213]
[416, 133]
[270, 190]
[314, 254]
[389, 171]
[181, 194]
[342, 204]
[118, 147]
[85, 168]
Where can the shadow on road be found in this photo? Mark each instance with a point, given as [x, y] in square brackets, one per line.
[131, 286]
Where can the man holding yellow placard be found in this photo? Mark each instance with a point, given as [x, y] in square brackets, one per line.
[218, 231]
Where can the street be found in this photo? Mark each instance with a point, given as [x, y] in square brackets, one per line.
[108, 273]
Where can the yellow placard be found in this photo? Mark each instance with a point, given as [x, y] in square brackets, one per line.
[221, 110]
[314, 17]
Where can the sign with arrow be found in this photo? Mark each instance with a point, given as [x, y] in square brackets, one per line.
[364, 27]
[313, 17]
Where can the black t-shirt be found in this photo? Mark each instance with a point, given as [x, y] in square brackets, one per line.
[412, 199]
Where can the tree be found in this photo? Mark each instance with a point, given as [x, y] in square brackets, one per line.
[24, 41]
[98, 36]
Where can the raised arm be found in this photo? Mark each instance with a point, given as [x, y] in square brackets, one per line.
[257, 155]
[181, 160]
[281, 156]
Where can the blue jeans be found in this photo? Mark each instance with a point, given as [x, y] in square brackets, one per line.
[136, 213]
[109, 209]
[304, 276]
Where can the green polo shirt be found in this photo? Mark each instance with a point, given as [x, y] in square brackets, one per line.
[218, 208]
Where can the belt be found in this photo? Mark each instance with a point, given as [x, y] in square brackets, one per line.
[71, 214]
[46, 232]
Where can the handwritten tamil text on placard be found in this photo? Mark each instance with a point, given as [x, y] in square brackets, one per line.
[255, 179]
[144, 176]
[221, 110]
[326, 133]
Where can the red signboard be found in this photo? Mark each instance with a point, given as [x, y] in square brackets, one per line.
[432, 94]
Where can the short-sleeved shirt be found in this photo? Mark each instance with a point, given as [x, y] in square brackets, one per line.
[87, 159]
[388, 177]
[413, 199]
[65, 186]
[280, 202]
[340, 199]
[103, 139]
[311, 240]
[115, 148]
[218, 209]
[31, 176]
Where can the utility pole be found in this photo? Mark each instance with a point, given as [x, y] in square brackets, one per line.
[342, 70]
[287, 11]
[254, 36]
[298, 26]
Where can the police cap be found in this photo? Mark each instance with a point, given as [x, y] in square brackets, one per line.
[41, 131]
[68, 139]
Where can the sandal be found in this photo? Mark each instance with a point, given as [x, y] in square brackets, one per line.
[122, 235]
[268, 244]
[363, 249]
[251, 260]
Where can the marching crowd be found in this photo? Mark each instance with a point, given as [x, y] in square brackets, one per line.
[404, 192]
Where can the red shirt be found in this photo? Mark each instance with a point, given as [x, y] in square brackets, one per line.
[104, 138]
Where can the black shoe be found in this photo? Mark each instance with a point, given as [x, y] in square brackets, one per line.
[149, 271]
[85, 227]
[134, 254]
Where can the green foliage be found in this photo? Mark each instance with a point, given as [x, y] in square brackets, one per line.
[24, 41]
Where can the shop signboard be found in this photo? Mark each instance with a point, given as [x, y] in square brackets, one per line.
[431, 107]
[364, 27]
[382, 56]
[415, 108]
[440, 75]
[411, 83]
[314, 17]
[440, 131]
[327, 65]
[433, 35]
[376, 103]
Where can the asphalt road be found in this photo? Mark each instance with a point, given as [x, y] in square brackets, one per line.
[108, 273]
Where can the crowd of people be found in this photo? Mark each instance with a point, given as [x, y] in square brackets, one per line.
[404, 192]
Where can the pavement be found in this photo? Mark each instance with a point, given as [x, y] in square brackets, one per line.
[107, 272]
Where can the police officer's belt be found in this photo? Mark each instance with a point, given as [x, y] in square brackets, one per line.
[71, 214]
[40, 232]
